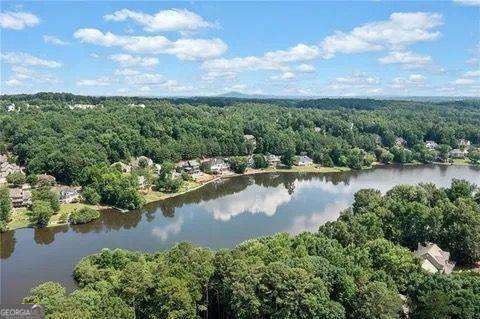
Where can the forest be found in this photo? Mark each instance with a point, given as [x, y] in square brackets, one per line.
[51, 132]
[360, 266]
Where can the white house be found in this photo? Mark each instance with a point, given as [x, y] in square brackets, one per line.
[433, 259]
[464, 143]
[399, 141]
[218, 165]
[458, 153]
[69, 194]
[431, 145]
[273, 160]
[303, 160]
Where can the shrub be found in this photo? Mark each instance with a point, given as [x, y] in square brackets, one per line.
[91, 196]
[83, 215]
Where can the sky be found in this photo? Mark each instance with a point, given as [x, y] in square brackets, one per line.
[323, 48]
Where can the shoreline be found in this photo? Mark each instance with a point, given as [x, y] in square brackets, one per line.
[153, 196]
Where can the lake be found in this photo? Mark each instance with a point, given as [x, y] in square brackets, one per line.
[219, 215]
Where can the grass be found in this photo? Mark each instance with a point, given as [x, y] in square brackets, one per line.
[19, 218]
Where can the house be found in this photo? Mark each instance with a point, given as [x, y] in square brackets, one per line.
[158, 168]
[431, 145]
[7, 168]
[193, 166]
[250, 161]
[317, 129]
[273, 160]
[69, 194]
[218, 165]
[458, 153]
[250, 139]
[142, 182]
[433, 259]
[46, 179]
[462, 143]
[251, 143]
[399, 141]
[20, 197]
[82, 106]
[303, 160]
[10, 107]
[3, 158]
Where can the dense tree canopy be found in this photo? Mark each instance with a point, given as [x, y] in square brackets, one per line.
[48, 136]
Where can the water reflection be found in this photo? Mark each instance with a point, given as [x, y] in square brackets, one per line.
[218, 215]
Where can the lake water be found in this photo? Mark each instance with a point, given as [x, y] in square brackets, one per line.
[219, 215]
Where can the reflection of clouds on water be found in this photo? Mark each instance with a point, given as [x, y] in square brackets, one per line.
[311, 222]
[163, 232]
[255, 199]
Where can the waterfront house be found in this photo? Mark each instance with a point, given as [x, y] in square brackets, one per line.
[20, 197]
[250, 161]
[218, 165]
[458, 153]
[303, 160]
[462, 143]
[142, 182]
[193, 166]
[433, 259]
[431, 145]
[273, 160]
[399, 141]
[69, 194]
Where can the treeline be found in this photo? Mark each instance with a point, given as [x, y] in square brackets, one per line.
[47, 136]
[357, 267]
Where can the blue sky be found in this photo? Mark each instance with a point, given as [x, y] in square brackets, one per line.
[335, 48]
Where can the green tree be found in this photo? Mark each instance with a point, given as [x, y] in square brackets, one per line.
[40, 213]
[16, 179]
[376, 301]
[287, 158]
[5, 208]
[259, 161]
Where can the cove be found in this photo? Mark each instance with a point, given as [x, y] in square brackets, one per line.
[218, 215]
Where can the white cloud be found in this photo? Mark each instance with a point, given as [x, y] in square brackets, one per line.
[165, 20]
[184, 49]
[18, 20]
[20, 58]
[468, 2]
[357, 79]
[305, 68]
[407, 59]
[94, 55]
[463, 81]
[472, 74]
[417, 78]
[284, 76]
[13, 82]
[401, 30]
[23, 76]
[126, 72]
[130, 60]
[404, 84]
[54, 40]
[100, 81]
[272, 60]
